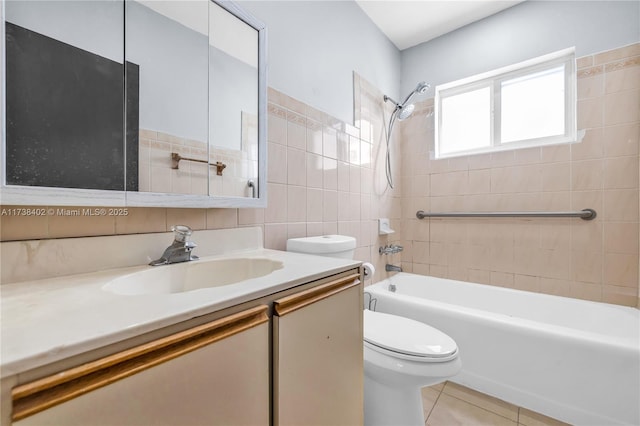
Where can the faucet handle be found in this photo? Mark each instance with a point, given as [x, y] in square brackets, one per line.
[182, 233]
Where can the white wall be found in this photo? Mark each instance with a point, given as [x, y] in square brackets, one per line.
[527, 30]
[314, 47]
[174, 72]
[233, 89]
[94, 26]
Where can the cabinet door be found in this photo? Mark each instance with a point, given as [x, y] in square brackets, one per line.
[318, 376]
[214, 374]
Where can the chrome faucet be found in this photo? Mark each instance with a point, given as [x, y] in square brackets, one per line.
[180, 250]
[390, 249]
[392, 268]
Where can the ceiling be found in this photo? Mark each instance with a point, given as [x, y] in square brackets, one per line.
[410, 22]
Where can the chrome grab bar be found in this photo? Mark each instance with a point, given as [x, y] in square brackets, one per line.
[586, 214]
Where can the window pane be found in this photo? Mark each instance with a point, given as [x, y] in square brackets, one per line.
[466, 121]
[533, 106]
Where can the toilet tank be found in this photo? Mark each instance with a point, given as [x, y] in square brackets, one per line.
[325, 245]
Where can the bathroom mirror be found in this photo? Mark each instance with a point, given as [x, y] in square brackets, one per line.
[167, 44]
[179, 120]
[233, 101]
[61, 58]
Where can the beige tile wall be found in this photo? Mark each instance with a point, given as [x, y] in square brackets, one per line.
[323, 176]
[594, 260]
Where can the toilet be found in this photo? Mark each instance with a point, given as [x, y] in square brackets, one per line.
[401, 355]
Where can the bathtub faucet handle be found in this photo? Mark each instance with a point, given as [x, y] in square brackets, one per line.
[390, 249]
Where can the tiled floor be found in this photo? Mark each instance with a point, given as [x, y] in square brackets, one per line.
[449, 404]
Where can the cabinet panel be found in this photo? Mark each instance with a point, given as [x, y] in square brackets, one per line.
[318, 375]
[223, 381]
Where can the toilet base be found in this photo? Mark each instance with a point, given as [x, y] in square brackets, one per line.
[391, 406]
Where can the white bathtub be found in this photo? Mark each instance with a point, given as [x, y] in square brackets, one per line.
[573, 360]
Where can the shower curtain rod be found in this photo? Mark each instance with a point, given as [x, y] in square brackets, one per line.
[586, 214]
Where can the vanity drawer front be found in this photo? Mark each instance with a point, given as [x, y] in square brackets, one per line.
[213, 374]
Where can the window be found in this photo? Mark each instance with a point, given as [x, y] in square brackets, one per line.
[527, 104]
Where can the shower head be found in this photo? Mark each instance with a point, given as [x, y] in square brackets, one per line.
[405, 111]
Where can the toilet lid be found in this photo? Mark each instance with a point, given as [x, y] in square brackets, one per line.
[406, 336]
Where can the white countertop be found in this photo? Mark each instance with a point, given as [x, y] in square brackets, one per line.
[48, 320]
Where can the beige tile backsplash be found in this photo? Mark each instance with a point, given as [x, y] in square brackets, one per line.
[327, 176]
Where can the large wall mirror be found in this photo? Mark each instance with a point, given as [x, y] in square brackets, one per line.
[136, 102]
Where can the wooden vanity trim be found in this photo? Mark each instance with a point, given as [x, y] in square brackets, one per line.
[307, 297]
[36, 396]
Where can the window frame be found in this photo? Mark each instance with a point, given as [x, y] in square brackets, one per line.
[494, 79]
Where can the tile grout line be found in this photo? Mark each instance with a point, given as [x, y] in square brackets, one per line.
[485, 409]
[433, 406]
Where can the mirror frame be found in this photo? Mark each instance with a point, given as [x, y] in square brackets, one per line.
[34, 195]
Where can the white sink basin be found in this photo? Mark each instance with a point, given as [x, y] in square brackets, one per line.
[192, 275]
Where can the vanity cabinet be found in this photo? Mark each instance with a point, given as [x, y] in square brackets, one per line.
[213, 374]
[289, 358]
[318, 359]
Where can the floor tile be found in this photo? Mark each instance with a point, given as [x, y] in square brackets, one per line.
[481, 400]
[429, 398]
[450, 411]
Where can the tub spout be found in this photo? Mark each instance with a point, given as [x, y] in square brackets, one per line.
[392, 268]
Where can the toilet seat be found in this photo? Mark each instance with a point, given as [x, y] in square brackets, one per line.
[406, 338]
